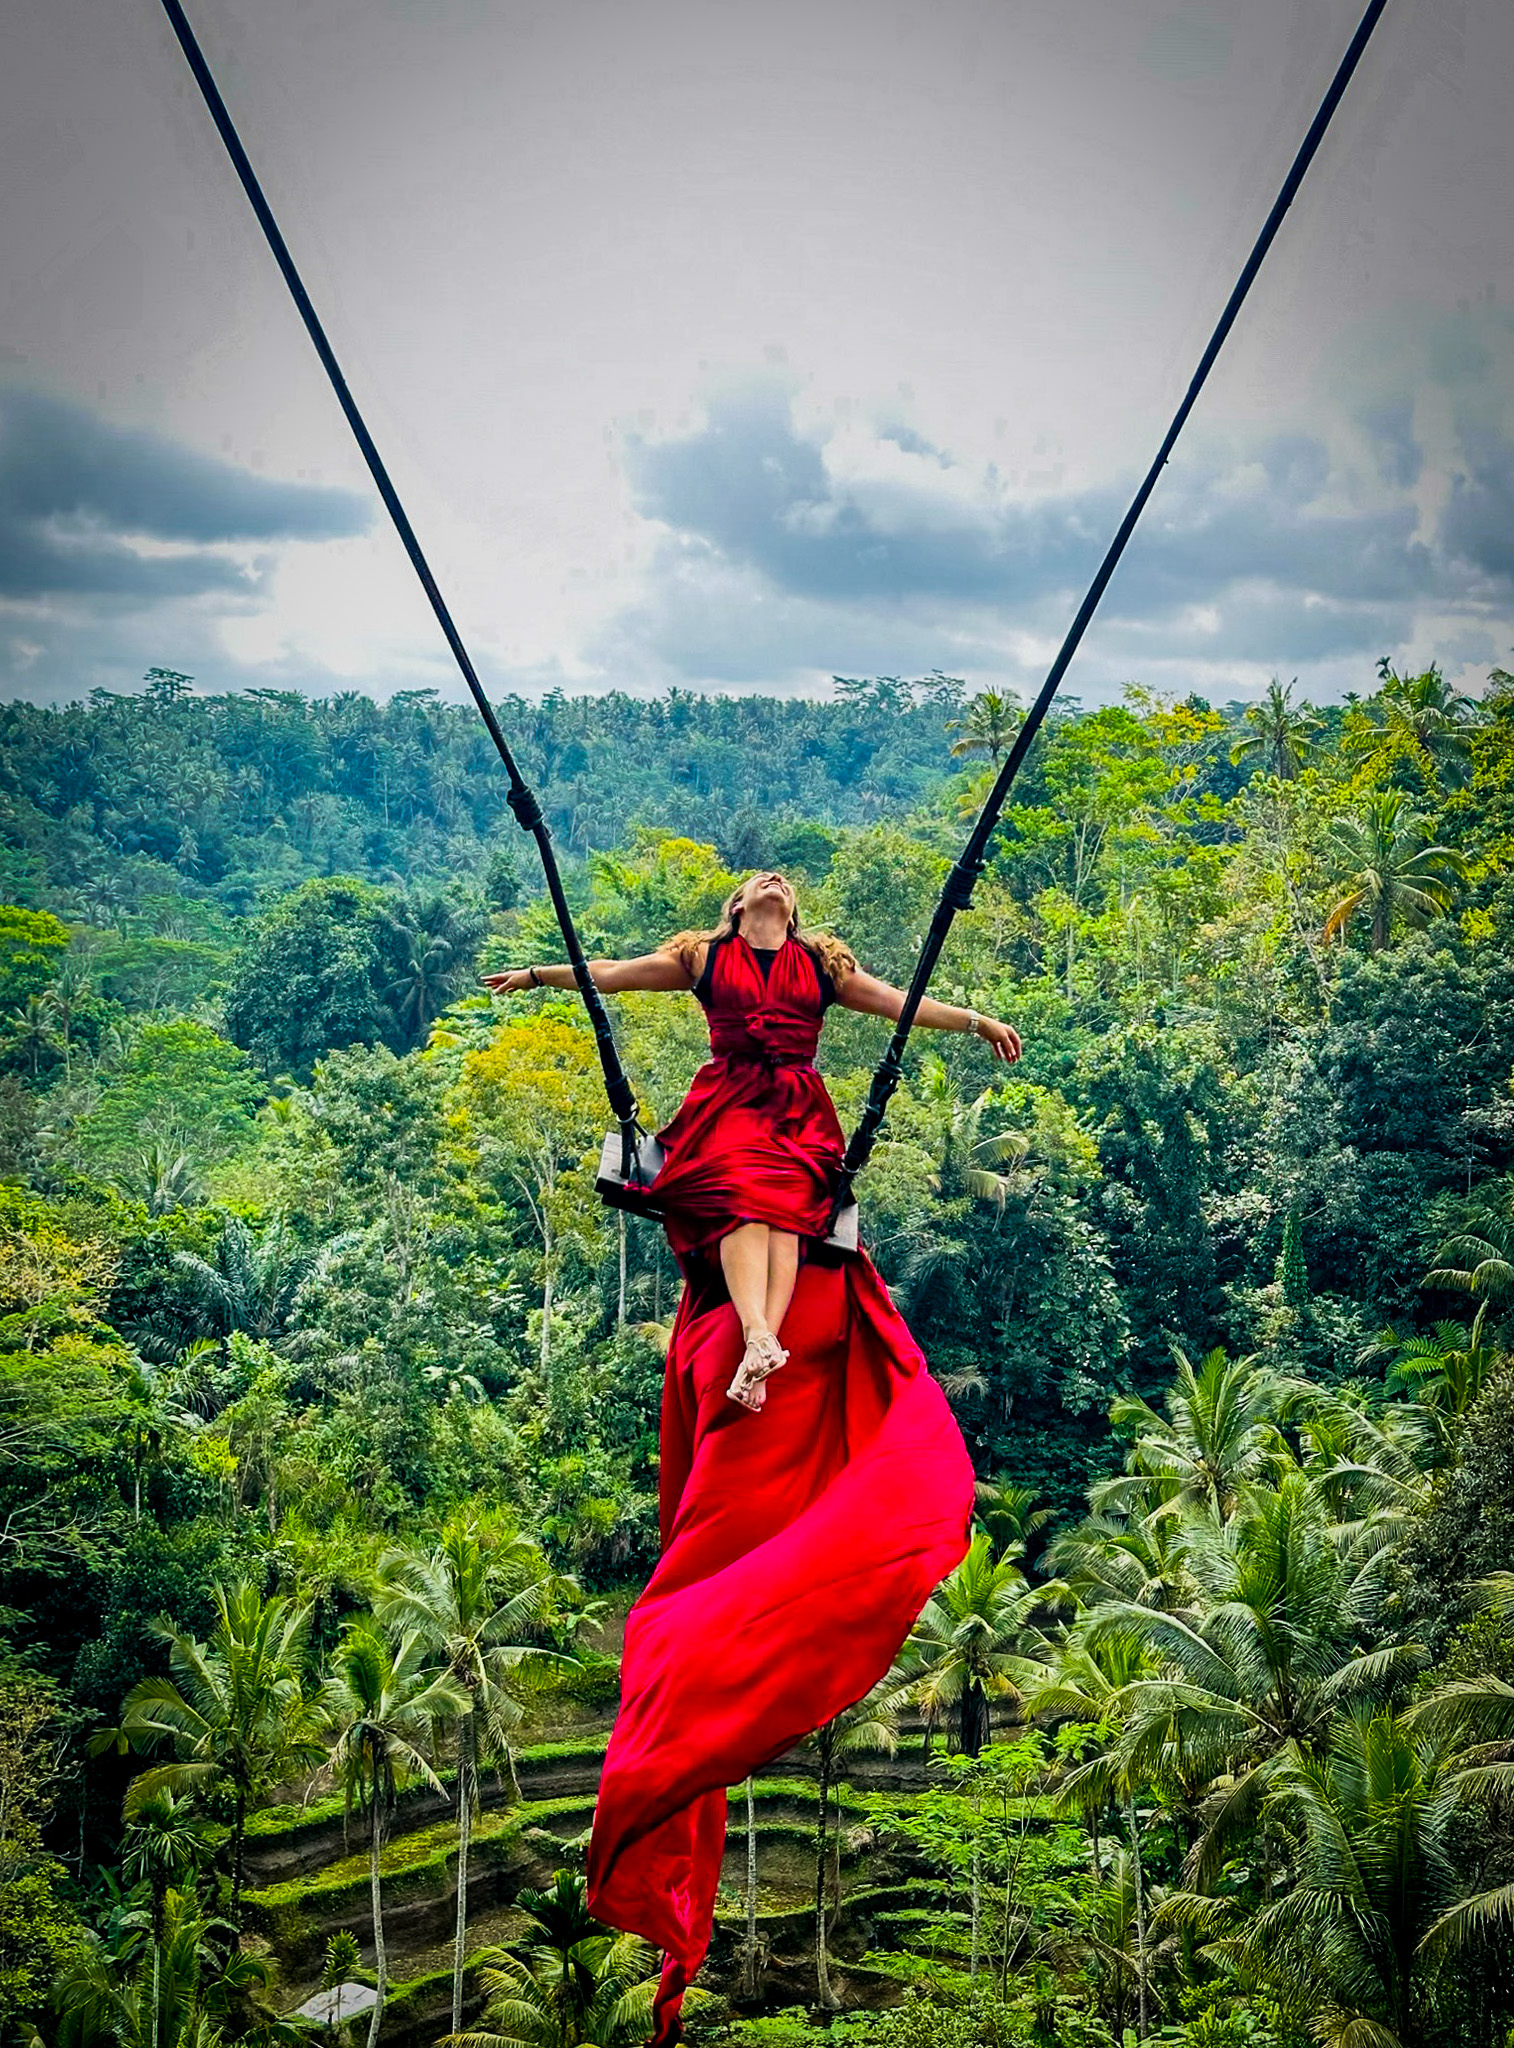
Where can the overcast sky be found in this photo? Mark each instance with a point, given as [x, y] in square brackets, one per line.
[737, 343]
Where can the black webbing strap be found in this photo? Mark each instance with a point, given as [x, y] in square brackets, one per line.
[521, 799]
[957, 894]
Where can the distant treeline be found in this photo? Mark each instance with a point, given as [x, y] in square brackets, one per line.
[166, 793]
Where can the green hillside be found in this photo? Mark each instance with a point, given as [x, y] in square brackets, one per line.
[327, 1377]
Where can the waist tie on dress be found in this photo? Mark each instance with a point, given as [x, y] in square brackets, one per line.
[771, 1037]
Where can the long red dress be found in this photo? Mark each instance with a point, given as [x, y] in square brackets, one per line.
[800, 1542]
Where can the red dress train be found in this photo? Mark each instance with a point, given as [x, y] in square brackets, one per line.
[798, 1543]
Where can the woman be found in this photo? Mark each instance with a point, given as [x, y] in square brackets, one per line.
[750, 1159]
[796, 1552]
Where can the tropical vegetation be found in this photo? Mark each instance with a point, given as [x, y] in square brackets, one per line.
[328, 1447]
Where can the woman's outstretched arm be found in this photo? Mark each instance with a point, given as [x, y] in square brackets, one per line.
[652, 970]
[876, 998]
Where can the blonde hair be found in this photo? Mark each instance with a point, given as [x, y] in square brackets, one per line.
[837, 959]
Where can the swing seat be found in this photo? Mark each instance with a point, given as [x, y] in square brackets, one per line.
[617, 1191]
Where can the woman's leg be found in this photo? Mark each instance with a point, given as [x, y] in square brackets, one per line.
[783, 1271]
[744, 1260]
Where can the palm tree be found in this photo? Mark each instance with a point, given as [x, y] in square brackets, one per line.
[234, 1709]
[989, 727]
[147, 1419]
[1276, 1643]
[1009, 1512]
[1351, 1945]
[580, 1985]
[1426, 718]
[752, 1946]
[473, 1602]
[1387, 871]
[206, 1992]
[1484, 1245]
[162, 1845]
[1446, 1370]
[162, 1178]
[1142, 1560]
[71, 988]
[1367, 1461]
[1219, 1435]
[251, 1283]
[32, 1033]
[1088, 1682]
[872, 1724]
[969, 1163]
[382, 1705]
[433, 937]
[1281, 734]
[974, 1639]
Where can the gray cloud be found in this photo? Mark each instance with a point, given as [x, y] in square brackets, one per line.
[1255, 556]
[1478, 525]
[1390, 429]
[748, 485]
[78, 497]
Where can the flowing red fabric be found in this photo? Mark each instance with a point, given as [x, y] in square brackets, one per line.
[799, 1543]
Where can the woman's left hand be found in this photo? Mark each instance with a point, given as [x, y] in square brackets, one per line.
[1004, 1039]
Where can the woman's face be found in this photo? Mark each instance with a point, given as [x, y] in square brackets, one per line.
[768, 890]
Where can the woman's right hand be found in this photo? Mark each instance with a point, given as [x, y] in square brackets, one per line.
[513, 982]
[1004, 1038]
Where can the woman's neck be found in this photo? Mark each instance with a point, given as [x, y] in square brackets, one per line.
[767, 930]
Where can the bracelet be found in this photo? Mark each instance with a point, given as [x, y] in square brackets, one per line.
[536, 980]
[973, 1021]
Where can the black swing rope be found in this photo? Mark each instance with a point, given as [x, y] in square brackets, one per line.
[521, 798]
[968, 867]
[958, 891]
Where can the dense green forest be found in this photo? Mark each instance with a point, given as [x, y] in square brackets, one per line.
[328, 1446]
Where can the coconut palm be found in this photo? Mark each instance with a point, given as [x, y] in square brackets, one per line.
[1220, 1434]
[1479, 1257]
[234, 1709]
[163, 1844]
[752, 1948]
[147, 1417]
[975, 1639]
[1281, 732]
[383, 1705]
[1425, 717]
[989, 727]
[1114, 1557]
[1088, 1682]
[1388, 873]
[1351, 1945]
[872, 1724]
[162, 1177]
[1281, 1635]
[1009, 1512]
[474, 1603]
[434, 938]
[206, 1991]
[72, 988]
[31, 1032]
[1475, 1718]
[579, 1985]
[1368, 1461]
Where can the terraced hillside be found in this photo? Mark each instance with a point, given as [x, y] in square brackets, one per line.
[309, 1880]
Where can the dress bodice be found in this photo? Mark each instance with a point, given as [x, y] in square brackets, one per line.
[773, 1018]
